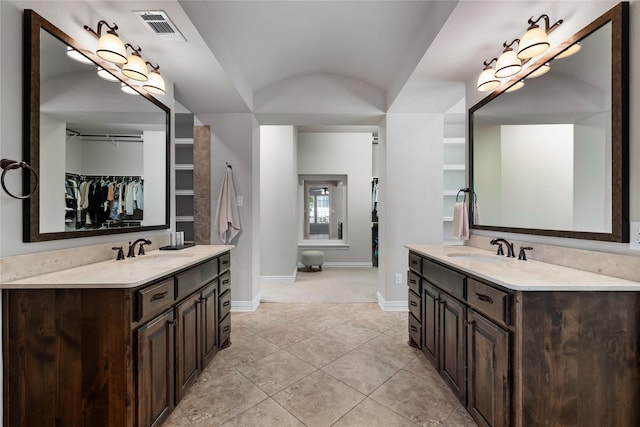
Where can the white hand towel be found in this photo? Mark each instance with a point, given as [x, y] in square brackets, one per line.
[227, 221]
[460, 226]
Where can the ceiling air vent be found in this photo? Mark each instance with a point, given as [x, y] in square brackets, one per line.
[158, 21]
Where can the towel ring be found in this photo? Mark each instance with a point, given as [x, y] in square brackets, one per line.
[8, 165]
[465, 191]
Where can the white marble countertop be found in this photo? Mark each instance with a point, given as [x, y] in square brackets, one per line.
[529, 275]
[127, 273]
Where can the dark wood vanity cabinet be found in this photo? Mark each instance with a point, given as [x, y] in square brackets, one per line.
[529, 358]
[111, 357]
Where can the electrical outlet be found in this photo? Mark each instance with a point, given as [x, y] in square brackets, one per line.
[634, 235]
[398, 278]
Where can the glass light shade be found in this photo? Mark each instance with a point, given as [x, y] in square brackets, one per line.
[533, 43]
[107, 75]
[508, 64]
[574, 48]
[515, 86]
[155, 84]
[135, 68]
[543, 69]
[487, 80]
[110, 48]
[77, 56]
[127, 89]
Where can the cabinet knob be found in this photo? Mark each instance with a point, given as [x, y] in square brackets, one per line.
[172, 322]
[485, 298]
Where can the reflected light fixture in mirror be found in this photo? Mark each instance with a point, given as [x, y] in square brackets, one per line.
[543, 69]
[574, 48]
[135, 67]
[508, 64]
[487, 80]
[107, 75]
[127, 89]
[77, 56]
[110, 47]
[516, 86]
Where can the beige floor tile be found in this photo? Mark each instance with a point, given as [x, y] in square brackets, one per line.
[390, 348]
[460, 418]
[238, 331]
[276, 371]
[361, 371]
[265, 414]
[318, 399]
[258, 322]
[286, 334]
[376, 322]
[220, 399]
[319, 351]
[420, 401]
[400, 329]
[320, 322]
[247, 350]
[350, 334]
[177, 419]
[370, 413]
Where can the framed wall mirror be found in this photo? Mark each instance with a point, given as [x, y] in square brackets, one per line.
[552, 157]
[102, 154]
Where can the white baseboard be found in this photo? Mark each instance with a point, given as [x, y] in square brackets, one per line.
[246, 305]
[385, 305]
[277, 280]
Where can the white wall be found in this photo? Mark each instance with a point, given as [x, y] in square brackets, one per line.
[235, 140]
[52, 178]
[343, 153]
[411, 193]
[278, 202]
[537, 176]
[122, 158]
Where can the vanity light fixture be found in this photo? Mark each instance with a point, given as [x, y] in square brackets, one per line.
[543, 69]
[487, 80]
[135, 68]
[110, 47]
[535, 41]
[508, 64]
[77, 56]
[107, 75]
[515, 86]
[128, 89]
[574, 48]
[155, 84]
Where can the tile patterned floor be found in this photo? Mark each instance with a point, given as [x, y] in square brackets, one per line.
[342, 365]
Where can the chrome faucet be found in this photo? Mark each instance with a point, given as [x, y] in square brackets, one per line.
[510, 253]
[142, 242]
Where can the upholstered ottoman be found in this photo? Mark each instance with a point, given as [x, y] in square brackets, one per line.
[310, 258]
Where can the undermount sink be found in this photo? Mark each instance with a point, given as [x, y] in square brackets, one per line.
[475, 257]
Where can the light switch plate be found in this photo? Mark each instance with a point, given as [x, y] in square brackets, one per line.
[634, 235]
[398, 278]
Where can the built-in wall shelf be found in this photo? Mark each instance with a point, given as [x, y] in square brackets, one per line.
[184, 141]
[184, 167]
[184, 219]
[184, 192]
[453, 169]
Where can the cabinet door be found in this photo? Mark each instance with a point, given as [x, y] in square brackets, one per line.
[155, 370]
[452, 344]
[488, 362]
[430, 299]
[188, 353]
[209, 322]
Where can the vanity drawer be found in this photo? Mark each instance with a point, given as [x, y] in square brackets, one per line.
[489, 301]
[415, 262]
[413, 281]
[154, 299]
[196, 277]
[224, 332]
[225, 283]
[224, 304]
[415, 331]
[225, 262]
[446, 279]
[415, 304]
